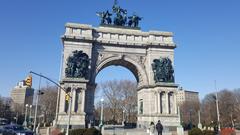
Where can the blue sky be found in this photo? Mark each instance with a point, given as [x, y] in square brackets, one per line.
[207, 34]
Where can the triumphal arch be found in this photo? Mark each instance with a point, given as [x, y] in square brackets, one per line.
[118, 41]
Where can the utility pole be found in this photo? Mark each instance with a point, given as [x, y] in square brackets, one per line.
[218, 115]
[58, 85]
[30, 115]
[25, 119]
[58, 92]
[101, 118]
[36, 106]
[69, 111]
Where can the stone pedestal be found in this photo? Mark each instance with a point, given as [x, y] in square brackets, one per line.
[158, 103]
[76, 88]
[180, 130]
[200, 126]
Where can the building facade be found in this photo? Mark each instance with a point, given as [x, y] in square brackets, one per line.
[22, 94]
[186, 95]
[143, 53]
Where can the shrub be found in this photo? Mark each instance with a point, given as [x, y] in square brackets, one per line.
[56, 131]
[92, 131]
[195, 131]
[208, 132]
[88, 131]
[77, 131]
[228, 131]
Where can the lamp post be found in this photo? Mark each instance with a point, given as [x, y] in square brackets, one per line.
[199, 120]
[30, 115]
[190, 118]
[16, 118]
[69, 113]
[57, 84]
[101, 118]
[218, 115]
[36, 109]
[35, 115]
[123, 118]
[25, 119]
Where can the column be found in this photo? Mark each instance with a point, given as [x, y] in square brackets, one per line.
[62, 102]
[83, 100]
[167, 103]
[159, 104]
[78, 101]
[170, 103]
[73, 99]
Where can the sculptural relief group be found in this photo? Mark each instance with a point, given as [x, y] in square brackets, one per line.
[120, 17]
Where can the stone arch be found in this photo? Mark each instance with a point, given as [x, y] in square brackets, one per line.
[127, 62]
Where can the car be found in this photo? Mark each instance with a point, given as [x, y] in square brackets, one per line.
[14, 129]
[3, 121]
[3, 131]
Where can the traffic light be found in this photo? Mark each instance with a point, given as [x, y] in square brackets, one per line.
[67, 96]
[28, 81]
[40, 92]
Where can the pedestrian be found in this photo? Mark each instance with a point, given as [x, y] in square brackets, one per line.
[159, 127]
[152, 128]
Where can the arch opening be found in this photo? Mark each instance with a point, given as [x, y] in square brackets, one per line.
[131, 64]
[117, 85]
[122, 63]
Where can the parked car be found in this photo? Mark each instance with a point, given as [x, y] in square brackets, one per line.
[3, 131]
[15, 129]
[3, 121]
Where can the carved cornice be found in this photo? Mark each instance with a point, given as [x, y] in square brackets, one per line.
[162, 85]
[118, 36]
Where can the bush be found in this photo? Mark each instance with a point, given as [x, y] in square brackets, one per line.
[88, 131]
[77, 131]
[92, 131]
[195, 131]
[228, 131]
[56, 131]
[208, 132]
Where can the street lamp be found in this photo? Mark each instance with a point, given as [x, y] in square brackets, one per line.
[69, 113]
[30, 114]
[101, 119]
[36, 109]
[218, 115]
[25, 119]
[190, 118]
[57, 84]
[123, 118]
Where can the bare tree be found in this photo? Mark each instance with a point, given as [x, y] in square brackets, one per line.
[120, 97]
[113, 93]
[130, 99]
[48, 102]
[18, 112]
[5, 108]
[208, 109]
[1, 107]
[229, 108]
[236, 94]
[189, 112]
